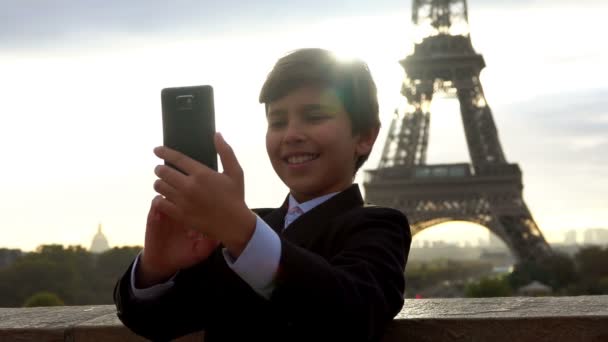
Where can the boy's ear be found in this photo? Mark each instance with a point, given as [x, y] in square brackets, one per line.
[366, 140]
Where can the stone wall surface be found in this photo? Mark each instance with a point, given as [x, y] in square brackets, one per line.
[512, 319]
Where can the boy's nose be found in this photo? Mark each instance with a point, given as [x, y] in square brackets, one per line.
[293, 134]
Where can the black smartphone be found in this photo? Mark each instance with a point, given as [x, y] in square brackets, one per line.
[189, 122]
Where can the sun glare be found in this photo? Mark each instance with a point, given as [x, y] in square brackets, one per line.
[458, 232]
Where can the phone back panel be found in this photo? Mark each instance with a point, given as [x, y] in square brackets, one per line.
[189, 122]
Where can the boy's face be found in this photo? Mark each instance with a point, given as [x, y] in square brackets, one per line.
[310, 142]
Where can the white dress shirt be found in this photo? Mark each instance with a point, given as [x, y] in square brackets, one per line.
[258, 263]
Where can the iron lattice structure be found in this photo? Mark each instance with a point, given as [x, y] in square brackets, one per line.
[486, 191]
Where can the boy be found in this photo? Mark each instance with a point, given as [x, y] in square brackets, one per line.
[322, 267]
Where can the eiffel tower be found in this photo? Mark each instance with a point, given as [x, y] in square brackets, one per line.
[487, 191]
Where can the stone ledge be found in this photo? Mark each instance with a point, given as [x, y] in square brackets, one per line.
[510, 319]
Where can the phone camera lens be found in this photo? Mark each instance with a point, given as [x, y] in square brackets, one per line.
[184, 102]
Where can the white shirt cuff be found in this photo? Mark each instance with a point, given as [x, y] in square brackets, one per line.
[151, 292]
[258, 263]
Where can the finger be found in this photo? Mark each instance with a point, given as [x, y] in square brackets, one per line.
[171, 176]
[229, 162]
[164, 206]
[169, 192]
[153, 214]
[180, 160]
[156, 218]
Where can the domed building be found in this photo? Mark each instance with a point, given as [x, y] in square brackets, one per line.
[100, 243]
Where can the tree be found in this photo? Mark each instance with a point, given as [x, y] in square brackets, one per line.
[109, 267]
[489, 287]
[43, 298]
[424, 276]
[603, 285]
[74, 274]
[592, 262]
[557, 271]
[33, 274]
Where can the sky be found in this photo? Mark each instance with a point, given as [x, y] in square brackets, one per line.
[80, 101]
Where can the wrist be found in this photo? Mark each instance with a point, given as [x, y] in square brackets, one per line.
[146, 274]
[243, 230]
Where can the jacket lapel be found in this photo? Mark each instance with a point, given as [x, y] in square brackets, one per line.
[276, 218]
[315, 221]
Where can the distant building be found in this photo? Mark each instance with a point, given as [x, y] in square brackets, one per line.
[570, 237]
[100, 243]
[602, 235]
[494, 241]
[439, 244]
[596, 236]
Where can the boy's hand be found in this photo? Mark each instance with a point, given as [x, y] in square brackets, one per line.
[210, 202]
[169, 246]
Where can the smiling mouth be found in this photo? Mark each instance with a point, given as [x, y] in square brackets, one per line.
[301, 158]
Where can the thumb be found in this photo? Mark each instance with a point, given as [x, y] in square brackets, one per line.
[230, 164]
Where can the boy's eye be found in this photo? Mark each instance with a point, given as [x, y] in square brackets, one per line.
[316, 116]
[276, 123]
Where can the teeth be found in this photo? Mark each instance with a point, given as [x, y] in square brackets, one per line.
[301, 158]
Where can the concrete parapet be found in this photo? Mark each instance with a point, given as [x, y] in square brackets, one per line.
[512, 319]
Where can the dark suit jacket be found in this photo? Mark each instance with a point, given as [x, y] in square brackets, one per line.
[340, 278]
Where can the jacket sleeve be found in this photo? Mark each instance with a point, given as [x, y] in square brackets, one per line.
[197, 299]
[357, 291]
[171, 314]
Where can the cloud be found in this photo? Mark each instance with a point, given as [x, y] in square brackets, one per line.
[589, 142]
[530, 3]
[27, 23]
[565, 112]
[560, 129]
[31, 24]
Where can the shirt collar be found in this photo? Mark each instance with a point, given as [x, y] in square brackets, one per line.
[308, 205]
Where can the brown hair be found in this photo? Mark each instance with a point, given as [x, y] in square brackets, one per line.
[351, 80]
